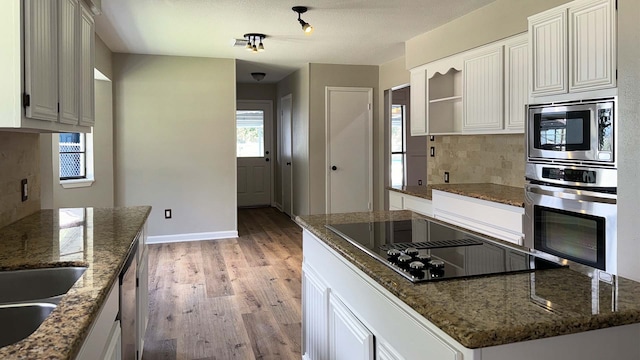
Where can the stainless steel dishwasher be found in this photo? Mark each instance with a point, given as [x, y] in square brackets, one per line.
[128, 315]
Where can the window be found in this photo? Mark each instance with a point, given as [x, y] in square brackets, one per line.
[76, 159]
[250, 133]
[398, 145]
[73, 156]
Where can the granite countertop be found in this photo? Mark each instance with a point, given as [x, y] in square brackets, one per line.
[51, 238]
[494, 310]
[504, 194]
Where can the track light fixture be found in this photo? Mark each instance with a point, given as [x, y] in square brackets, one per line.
[254, 42]
[306, 27]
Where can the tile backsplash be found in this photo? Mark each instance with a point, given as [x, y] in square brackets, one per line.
[497, 159]
[19, 159]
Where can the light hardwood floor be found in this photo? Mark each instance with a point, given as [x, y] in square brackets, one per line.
[228, 299]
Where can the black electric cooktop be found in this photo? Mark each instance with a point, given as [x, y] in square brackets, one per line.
[422, 250]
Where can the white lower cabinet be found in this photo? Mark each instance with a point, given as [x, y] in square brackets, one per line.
[114, 346]
[487, 217]
[142, 298]
[346, 315]
[102, 340]
[401, 201]
[348, 337]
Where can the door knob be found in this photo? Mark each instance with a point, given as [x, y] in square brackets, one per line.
[334, 168]
[266, 159]
[288, 163]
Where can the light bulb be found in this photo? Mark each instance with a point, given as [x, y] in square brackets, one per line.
[260, 47]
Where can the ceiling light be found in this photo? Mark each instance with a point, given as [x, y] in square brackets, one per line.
[254, 42]
[257, 76]
[306, 27]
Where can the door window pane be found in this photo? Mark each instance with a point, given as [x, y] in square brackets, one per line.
[250, 132]
[397, 169]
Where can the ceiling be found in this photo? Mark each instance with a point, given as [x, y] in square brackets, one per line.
[363, 32]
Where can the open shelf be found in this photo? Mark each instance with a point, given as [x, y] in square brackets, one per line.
[450, 98]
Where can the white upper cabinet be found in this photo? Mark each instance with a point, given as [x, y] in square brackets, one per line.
[40, 58]
[480, 91]
[592, 54]
[49, 40]
[87, 64]
[68, 55]
[516, 82]
[418, 101]
[573, 48]
[548, 38]
[483, 90]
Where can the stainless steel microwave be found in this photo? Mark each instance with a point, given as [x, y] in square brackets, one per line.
[581, 132]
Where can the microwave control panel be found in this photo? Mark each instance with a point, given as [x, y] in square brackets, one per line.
[583, 176]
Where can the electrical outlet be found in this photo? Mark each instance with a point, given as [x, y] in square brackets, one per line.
[432, 151]
[419, 182]
[167, 213]
[432, 138]
[446, 176]
[24, 189]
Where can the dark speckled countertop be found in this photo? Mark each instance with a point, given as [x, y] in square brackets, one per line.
[509, 195]
[495, 310]
[50, 238]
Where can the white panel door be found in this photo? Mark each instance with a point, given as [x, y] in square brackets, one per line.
[69, 61]
[349, 339]
[41, 59]
[384, 351]
[482, 97]
[349, 147]
[516, 83]
[592, 32]
[253, 122]
[548, 39]
[285, 154]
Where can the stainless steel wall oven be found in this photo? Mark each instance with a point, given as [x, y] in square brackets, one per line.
[571, 182]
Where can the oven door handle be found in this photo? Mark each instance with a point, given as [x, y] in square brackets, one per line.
[570, 194]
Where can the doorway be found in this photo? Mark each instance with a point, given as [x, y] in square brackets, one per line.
[408, 154]
[349, 149]
[253, 151]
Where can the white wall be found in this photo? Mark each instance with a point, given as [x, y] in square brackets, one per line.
[628, 134]
[175, 142]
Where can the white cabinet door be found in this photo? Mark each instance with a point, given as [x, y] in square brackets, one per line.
[315, 300]
[516, 82]
[100, 338]
[68, 60]
[142, 298]
[395, 200]
[41, 59]
[87, 60]
[482, 96]
[349, 339]
[418, 101]
[592, 45]
[384, 351]
[548, 39]
[113, 351]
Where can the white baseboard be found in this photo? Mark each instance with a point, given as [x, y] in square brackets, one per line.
[161, 239]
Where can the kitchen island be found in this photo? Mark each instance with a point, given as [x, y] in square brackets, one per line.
[96, 238]
[558, 313]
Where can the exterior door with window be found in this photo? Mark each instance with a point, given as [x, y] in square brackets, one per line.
[254, 155]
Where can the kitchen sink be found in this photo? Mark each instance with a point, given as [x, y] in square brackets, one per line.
[37, 284]
[21, 320]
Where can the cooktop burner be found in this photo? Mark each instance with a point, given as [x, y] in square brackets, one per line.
[423, 250]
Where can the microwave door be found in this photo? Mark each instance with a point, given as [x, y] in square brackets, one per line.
[561, 135]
